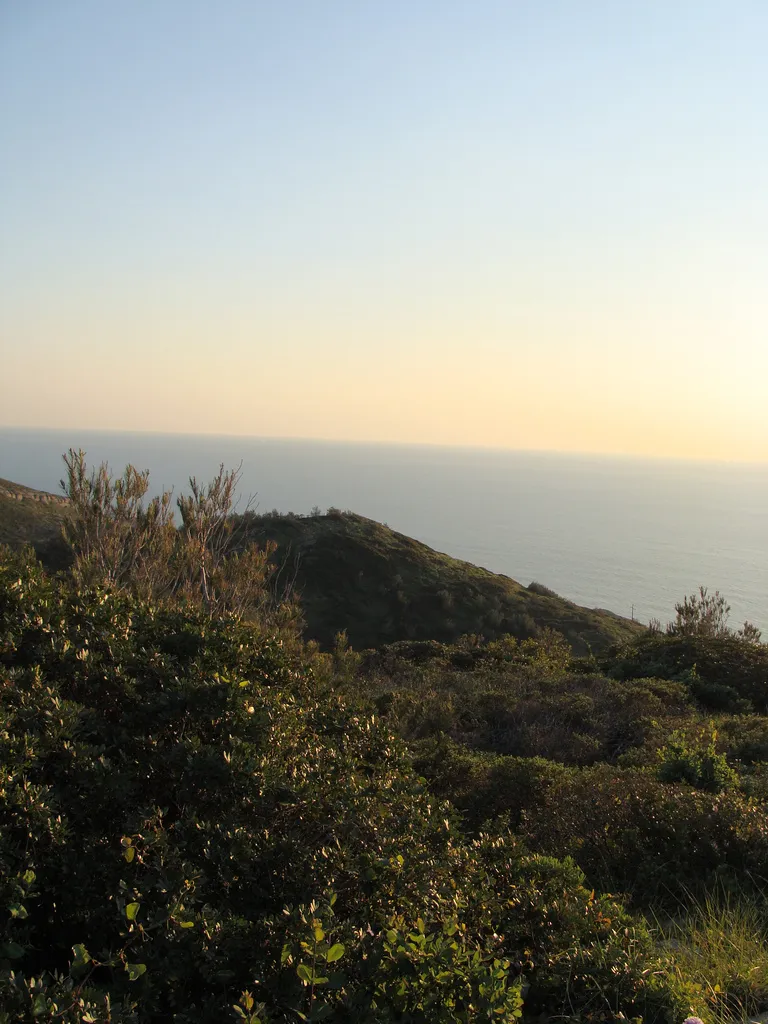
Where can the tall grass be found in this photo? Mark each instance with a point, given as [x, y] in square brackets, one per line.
[718, 951]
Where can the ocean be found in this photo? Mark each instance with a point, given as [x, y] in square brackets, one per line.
[632, 535]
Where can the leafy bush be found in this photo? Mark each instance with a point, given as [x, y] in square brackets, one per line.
[172, 784]
[515, 699]
[539, 588]
[727, 670]
[584, 956]
[745, 738]
[179, 805]
[658, 842]
[699, 764]
[484, 786]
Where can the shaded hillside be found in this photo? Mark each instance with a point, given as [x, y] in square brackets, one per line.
[357, 575]
[381, 586]
[34, 517]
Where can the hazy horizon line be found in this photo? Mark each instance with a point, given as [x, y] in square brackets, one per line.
[378, 443]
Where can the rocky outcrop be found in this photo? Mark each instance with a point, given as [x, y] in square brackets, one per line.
[17, 492]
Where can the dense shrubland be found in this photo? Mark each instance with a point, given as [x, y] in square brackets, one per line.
[188, 815]
[203, 818]
[380, 587]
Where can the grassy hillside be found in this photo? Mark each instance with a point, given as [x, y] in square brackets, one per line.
[358, 575]
[33, 517]
[381, 586]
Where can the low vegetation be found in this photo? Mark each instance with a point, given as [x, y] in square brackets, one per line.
[379, 586]
[36, 518]
[206, 817]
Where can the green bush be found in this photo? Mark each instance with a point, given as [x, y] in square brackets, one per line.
[178, 805]
[724, 673]
[583, 955]
[745, 738]
[698, 763]
[658, 842]
[484, 786]
[173, 784]
[518, 700]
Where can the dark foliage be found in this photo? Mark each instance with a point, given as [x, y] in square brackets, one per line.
[203, 819]
[382, 587]
[661, 843]
[185, 819]
[723, 673]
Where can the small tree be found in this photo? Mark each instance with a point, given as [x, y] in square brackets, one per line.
[701, 614]
[116, 538]
[706, 614]
[119, 539]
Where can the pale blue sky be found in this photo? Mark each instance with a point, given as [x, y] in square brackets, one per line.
[515, 224]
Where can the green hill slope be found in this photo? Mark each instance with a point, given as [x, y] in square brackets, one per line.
[381, 586]
[358, 575]
[34, 517]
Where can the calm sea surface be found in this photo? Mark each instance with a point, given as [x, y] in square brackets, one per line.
[606, 532]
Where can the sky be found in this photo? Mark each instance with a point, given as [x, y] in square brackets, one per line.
[508, 224]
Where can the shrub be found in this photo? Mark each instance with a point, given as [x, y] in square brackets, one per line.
[706, 614]
[539, 588]
[584, 956]
[705, 664]
[745, 737]
[179, 805]
[172, 783]
[517, 700]
[698, 763]
[632, 833]
[484, 786]
[118, 538]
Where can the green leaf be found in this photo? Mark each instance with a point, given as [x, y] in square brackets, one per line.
[12, 950]
[135, 970]
[18, 910]
[40, 1005]
[305, 973]
[28, 877]
[129, 853]
[186, 924]
[131, 911]
[82, 957]
[336, 952]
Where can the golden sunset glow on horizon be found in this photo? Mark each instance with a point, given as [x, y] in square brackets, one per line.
[335, 235]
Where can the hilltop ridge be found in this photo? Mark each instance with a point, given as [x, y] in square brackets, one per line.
[359, 576]
[380, 586]
[30, 516]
